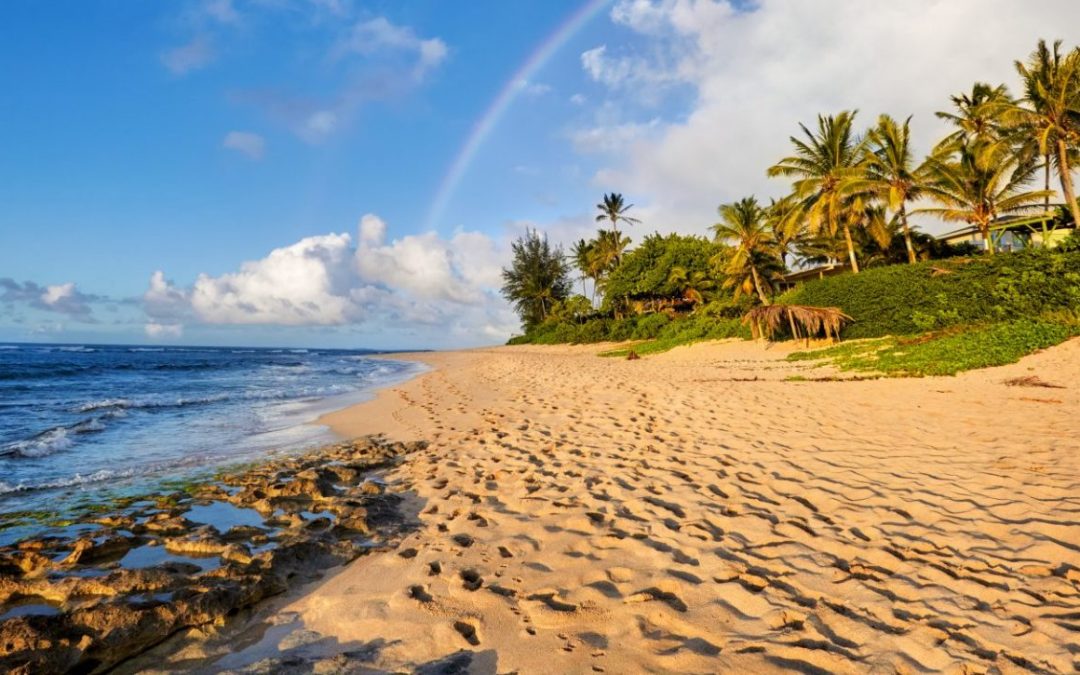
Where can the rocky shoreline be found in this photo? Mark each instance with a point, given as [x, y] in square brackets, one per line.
[125, 581]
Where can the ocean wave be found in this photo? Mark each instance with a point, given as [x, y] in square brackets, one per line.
[52, 440]
[82, 349]
[146, 349]
[9, 346]
[77, 479]
[124, 404]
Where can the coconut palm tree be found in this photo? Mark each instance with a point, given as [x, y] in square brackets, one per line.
[891, 170]
[580, 253]
[537, 278]
[785, 220]
[979, 117]
[977, 184]
[605, 253]
[693, 285]
[745, 223]
[827, 166]
[1052, 113]
[613, 209]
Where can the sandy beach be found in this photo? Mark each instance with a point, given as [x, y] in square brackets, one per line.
[697, 511]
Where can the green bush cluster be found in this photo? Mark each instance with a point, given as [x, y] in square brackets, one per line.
[984, 346]
[909, 299]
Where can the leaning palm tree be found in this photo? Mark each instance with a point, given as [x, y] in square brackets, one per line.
[978, 185]
[827, 167]
[613, 209]
[745, 224]
[891, 171]
[1052, 114]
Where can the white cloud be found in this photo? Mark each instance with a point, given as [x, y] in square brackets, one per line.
[246, 143]
[164, 302]
[612, 138]
[320, 124]
[163, 330]
[301, 284]
[221, 11]
[63, 298]
[381, 36]
[425, 265]
[444, 288]
[757, 70]
[196, 54]
[532, 88]
[578, 99]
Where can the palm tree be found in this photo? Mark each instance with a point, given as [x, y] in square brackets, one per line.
[746, 224]
[537, 278]
[1052, 93]
[692, 285]
[581, 253]
[827, 168]
[785, 220]
[613, 209]
[891, 170]
[605, 253]
[979, 117]
[977, 185]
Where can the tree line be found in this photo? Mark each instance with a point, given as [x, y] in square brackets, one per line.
[850, 199]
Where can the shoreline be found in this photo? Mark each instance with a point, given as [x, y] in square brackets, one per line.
[696, 510]
[699, 511]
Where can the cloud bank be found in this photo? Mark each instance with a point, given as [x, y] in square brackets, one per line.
[341, 280]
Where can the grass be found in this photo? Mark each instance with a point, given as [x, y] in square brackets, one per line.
[944, 353]
[653, 346]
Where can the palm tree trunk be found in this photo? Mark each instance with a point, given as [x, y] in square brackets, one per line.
[907, 234]
[984, 228]
[1046, 183]
[1066, 180]
[757, 285]
[851, 249]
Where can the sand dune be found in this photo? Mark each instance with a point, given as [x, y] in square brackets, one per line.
[673, 514]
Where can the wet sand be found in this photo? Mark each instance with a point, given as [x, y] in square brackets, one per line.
[695, 512]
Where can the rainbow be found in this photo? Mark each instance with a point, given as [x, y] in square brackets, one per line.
[499, 105]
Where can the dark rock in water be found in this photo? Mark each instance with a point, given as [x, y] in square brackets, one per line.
[107, 614]
[91, 551]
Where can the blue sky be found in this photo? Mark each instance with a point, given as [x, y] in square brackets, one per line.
[181, 171]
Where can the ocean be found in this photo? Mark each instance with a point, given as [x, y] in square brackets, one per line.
[82, 423]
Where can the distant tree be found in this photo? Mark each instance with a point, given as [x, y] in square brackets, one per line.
[894, 177]
[827, 168]
[647, 278]
[613, 209]
[1051, 116]
[745, 225]
[537, 278]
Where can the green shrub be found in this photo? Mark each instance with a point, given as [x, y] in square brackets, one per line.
[649, 326]
[908, 299]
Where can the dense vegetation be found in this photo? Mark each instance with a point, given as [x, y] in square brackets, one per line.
[910, 299]
[850, 200]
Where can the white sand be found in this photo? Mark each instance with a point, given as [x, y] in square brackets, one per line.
[667, 515]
